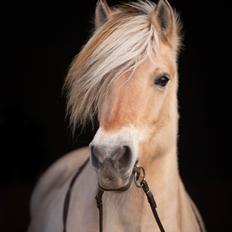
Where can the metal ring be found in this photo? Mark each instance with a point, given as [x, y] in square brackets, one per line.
[139, 176]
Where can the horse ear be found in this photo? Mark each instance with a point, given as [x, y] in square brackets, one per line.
[163, 17]
[102, 13]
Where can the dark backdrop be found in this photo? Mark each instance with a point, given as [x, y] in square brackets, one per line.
[40, 42]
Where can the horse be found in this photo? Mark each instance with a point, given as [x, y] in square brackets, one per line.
[126, 76]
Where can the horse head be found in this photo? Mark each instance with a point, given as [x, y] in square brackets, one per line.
[126, 74]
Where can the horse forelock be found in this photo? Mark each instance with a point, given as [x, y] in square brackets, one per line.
[118, 46]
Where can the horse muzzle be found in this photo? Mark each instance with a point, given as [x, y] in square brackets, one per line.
[113, 165]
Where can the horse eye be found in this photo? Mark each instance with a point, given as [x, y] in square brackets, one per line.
[162, 80]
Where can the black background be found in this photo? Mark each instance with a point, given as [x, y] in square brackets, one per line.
[38, 45]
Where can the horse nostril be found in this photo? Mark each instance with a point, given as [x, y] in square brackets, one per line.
[123, 157]
[95, 156]
[118, 157]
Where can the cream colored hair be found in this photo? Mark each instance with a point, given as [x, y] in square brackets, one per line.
[118, 46]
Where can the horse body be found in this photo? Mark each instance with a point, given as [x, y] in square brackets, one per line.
[127, 75]
[127, 211]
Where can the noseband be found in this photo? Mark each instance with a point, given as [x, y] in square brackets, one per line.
[140, 182]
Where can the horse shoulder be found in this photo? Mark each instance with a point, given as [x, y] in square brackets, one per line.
[190, 215]
[57, 176]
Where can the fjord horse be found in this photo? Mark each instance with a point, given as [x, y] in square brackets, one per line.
[126, 75]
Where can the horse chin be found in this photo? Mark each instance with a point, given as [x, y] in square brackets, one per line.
[116, 188]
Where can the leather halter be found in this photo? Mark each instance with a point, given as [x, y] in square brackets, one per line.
[140, 182]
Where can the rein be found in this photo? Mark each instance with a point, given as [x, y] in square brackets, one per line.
[140, 182]
[68, 194]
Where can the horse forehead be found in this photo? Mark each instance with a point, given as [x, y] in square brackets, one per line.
[154, 63]
[163, 61]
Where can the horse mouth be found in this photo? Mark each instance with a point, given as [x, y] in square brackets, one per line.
[115, 186]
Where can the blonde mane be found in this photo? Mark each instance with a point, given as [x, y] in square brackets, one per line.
[116, 47]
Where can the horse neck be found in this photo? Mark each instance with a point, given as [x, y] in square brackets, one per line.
[159, 157]
[131, 208]
[162, 175]
[163, 179]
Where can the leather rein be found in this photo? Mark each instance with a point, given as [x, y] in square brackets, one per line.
[140, 182]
